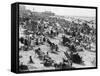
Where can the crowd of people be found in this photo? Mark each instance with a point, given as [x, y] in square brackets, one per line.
[52, 42]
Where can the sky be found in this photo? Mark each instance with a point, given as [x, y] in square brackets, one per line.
[64, 11]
